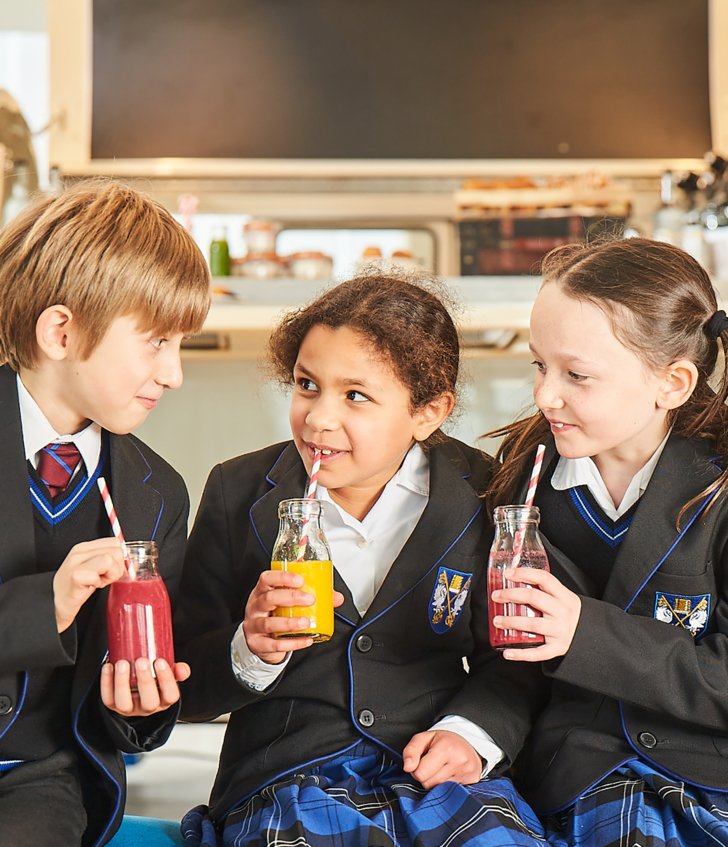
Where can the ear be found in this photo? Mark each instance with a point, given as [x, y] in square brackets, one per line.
[52, 331]
[679, 382]
[433, 415]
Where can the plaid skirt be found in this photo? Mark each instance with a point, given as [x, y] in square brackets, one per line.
[362, 798]
[636, 806]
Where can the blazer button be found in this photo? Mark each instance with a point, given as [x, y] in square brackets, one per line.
[364, 643]
[366, 717]
[6, 704]
[647, 739]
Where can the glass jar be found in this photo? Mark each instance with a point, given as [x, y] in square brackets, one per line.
[138, 612]
[262, 266]
[260, 236]
[310, 264]
[517, 543]
[301, 547]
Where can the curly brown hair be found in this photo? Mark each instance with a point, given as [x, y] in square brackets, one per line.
[404, 317]
[659, 301]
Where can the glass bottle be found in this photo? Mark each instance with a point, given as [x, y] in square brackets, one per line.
[514, 526]
[138, 612]
[669, 218]
[219, 253]
[301, 547]
[20, 192]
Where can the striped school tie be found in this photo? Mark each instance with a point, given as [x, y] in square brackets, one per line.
[56, 464]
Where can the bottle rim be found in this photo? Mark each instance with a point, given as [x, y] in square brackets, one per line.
[517, 512]
[300, 507]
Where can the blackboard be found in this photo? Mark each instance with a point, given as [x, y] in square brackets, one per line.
[400, 79]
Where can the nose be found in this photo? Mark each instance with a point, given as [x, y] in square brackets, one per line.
[322, 416]
[546, 393]
[170, 371]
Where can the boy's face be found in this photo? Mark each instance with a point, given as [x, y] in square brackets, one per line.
[119, 383]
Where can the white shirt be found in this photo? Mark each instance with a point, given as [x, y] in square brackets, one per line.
[364, 552]
[37, 432]
[572, 472]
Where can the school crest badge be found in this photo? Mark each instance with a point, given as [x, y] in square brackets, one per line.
[448, 598]
[689, 612]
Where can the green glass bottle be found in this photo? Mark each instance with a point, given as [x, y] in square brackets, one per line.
[219, 253]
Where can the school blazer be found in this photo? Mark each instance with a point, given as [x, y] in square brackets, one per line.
[151, 502]
[383, 676]
[647, 672]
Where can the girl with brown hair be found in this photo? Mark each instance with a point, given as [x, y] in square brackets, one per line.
[631, 384]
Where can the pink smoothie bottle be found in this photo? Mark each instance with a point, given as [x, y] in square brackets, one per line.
[516, 528]
[138, 613]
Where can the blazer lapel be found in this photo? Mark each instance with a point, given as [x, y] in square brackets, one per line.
[681, 473]
[17, 533]
[288, 479]
[137, 501]
[451, 506]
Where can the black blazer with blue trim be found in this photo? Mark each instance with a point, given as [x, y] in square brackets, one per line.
[151, 502]
[385, 676]
[631, 683]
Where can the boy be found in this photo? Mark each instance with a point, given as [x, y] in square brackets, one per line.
[97, 287]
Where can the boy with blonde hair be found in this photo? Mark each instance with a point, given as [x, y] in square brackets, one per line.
[97, 287]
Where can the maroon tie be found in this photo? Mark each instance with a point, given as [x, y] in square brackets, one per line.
[56, 464]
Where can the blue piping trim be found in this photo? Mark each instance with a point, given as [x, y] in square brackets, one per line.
[661, 768]
[674, 544]
[299, 766]
[21, 703]
[588, 788]
[612, 539]
[98, 763]
[383, 612]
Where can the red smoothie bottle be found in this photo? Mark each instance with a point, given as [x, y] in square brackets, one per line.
[516, 527]
[138, 613]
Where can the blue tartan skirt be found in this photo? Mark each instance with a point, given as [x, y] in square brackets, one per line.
[362, 798]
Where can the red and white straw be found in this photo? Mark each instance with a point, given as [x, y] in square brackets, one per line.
[310, 495]
[110, 510]
[530, 497]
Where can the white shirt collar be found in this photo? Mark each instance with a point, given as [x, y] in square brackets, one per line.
[570, 473]
[363, 551]
[37, 432]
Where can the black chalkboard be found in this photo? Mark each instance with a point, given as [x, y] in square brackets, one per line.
[392, 79]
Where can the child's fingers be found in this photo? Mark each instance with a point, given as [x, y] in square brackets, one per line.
[107, 685]
[182, 671]
[412, 753]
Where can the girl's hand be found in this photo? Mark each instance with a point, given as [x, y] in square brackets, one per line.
[273, 590]
[439, 756]
[560, 609]
[154, 693]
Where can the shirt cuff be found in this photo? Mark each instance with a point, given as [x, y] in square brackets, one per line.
[249, 669]
[478, 738]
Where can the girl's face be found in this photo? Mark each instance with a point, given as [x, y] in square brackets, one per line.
[601, 400]
[349, 403]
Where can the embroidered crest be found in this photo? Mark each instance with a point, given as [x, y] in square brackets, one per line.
[691, 612]
[448, 598]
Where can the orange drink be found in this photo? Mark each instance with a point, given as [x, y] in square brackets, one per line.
[318, 578]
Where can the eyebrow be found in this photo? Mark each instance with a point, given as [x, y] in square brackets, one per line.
[571, 358]
[344, 381]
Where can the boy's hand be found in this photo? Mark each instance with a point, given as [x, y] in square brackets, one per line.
[273, 590]
[560, 609]
[151, 695]
[88, 566]
[438, 755]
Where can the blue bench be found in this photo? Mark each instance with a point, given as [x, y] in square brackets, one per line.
[147, 832]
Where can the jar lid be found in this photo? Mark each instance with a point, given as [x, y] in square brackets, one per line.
[263, 257]
[309, 254]
[371, 251]
[402, 254]
[260, 225]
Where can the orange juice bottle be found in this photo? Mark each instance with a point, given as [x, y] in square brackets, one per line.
[301, 547]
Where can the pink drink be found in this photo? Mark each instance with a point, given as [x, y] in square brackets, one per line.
[139, 621]
[499, 562]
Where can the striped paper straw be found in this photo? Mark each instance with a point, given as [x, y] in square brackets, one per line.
[310, 495]
[530, 497]
[110, 510]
